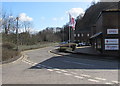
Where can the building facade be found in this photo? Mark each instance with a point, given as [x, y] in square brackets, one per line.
[82, 36]
[106, 37]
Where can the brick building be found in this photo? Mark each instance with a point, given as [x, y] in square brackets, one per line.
[106, 34]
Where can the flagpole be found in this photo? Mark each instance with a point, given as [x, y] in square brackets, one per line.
[69, 36]
[69, 28]
[63, 34]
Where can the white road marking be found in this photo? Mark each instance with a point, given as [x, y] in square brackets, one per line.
[78, 63]
[35, 63]
[108, 83]
[58, 71]
[92, 80]
[79, 77]
[73, 73]
[100, 78]
[49, 69]
[57, 55]
[115, 81]
[27, 62]
[67, 74]
[63, 70]
[85, 75]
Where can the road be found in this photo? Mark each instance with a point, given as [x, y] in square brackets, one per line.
[42, 67]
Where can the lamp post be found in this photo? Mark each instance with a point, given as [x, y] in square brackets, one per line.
[17, 18]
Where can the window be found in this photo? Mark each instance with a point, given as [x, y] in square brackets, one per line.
[82, 35]
[88, 34]
[74, 35]
[78, 35]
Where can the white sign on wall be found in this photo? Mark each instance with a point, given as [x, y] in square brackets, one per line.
[111, 47]
[112, 31]
[111, 41]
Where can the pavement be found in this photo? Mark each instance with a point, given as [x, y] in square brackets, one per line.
[88, 51]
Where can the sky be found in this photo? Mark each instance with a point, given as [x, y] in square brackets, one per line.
[45, 14]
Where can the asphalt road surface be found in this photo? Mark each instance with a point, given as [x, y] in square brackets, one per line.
[42, 67]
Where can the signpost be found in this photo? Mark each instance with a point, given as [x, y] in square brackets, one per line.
[111, 41]
[111, 47]
[111, 44]
[112, 31]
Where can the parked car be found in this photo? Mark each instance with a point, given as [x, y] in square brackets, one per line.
[83, 44]
[63, 43]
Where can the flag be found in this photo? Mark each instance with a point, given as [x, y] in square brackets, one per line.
[71, 21]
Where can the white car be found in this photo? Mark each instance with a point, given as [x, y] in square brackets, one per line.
[81, 44]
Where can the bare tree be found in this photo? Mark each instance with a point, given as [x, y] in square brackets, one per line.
[8, 23]
[26, 25]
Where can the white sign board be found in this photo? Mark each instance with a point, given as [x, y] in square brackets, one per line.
[111, 41]
[112, 31]
[111, 47]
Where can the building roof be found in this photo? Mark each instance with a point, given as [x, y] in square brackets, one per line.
[96, 35]
[108, 10]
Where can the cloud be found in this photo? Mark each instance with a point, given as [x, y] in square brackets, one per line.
[24, 17]
[0, 19]
[76, 12]
[11, 17]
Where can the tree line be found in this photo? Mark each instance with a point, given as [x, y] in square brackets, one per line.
[8, 25]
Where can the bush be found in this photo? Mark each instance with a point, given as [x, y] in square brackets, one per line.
[8, 54]
[63, 47]
[8, 45]
[8, 51]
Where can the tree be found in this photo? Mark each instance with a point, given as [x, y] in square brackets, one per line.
[26, 25]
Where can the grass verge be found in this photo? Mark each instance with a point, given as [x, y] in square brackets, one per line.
[39, 45]
[9, 52]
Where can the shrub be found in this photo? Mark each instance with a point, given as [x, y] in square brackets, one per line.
[8, 54]
[8, 45]
[63, 47]
[8, 51]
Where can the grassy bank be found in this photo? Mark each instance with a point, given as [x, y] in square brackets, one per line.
[8, 54]
[39, 45]
[9, 50]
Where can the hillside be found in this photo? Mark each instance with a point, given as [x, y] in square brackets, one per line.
[91, 15]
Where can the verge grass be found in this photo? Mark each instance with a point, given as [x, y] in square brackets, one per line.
[9, 52]
[39, 45]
